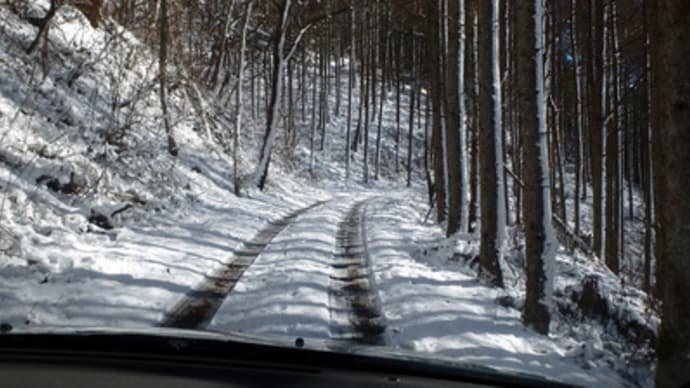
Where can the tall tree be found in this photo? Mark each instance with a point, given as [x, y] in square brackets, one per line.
[350, 85]
[162, 76]
[280, 58]
[493, 216]
[579, 154]
[276, 90]
[456, 160]
[670, 64]
[434, 63]
[596, 84]
[540, 246]
[611, 139]
[472, 93]
[238, 94]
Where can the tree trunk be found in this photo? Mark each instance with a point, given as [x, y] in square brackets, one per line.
[350, 86]
[436, 129]
[471, 103]
[611, 237]
[671, 61]
[540, 246]
[44, 25]
[646, 156]
[596, 120]
[238, 101]
[162, 78]
[455, 116]
[276, 89]
[490, 156]
[369, 67]
[398, 85]
[410, 137]
[382, 100]
[578, 114]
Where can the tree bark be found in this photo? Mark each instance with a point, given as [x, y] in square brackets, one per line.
[455, 117]
[162, 76]
[436, 129]
[671, 61]
[238, 101]
[596, 120]
[350, 86]
[276, 89]
[491, 158]
[578, 114]
[44, 25]
[540, 246]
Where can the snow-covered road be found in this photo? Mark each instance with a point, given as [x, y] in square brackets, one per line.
[364, 269]
[311, 280]
[198, 306]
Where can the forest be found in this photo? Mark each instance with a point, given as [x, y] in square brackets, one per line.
[538, 127]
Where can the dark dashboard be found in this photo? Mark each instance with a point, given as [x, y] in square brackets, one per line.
[144, 360]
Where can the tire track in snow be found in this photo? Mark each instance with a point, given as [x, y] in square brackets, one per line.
[198, 307]
[355, 315]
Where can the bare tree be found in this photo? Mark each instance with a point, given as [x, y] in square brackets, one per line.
[434, 62]
[238, 94]
[162, 77]
[280, 58]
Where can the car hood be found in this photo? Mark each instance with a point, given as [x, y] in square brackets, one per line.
[221, 344]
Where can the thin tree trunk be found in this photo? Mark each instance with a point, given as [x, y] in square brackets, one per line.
[596, 83]
[398, 85]
[44, 25]
[471, 103]
[377, 157]
[491, 158]
[276, 88]
[162, 78]
[410, 137]
[350, 86]
[455, 117]
[612, 204]
[436, 129]
[312, 131]
[369, 65]
[578, 114]
[646, 145]
[238, 101]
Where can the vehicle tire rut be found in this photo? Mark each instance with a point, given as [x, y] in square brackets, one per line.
[198, 307]
[355, 315]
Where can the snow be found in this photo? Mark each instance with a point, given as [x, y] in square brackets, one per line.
[434, 305]
[59, 270]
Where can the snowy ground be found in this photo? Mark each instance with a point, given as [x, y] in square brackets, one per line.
[59, 270]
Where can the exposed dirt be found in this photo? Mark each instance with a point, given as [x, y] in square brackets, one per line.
[355, 314]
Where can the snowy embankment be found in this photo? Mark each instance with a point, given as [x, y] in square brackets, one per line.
[436, 305]
[59, 119]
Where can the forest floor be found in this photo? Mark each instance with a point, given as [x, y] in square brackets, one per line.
[316, 256]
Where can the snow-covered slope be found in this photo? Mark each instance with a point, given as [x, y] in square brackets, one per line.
[84, 110]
